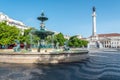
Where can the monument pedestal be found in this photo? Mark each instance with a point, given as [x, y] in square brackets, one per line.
[94, 43]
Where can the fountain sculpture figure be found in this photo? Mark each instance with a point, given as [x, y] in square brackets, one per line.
[17, 47]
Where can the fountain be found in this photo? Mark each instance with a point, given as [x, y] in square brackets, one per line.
[44, 57]
[43, 33]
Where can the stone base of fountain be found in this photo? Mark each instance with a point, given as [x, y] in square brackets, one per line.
[43, 57]
[45, 50]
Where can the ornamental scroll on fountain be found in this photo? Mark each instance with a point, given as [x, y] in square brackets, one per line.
[43, 33]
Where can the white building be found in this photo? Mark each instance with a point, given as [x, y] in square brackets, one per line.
[67, 37]
[12, 22]
[111, 40]
[79, 36]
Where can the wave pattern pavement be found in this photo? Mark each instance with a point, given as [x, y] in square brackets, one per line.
[99, 66]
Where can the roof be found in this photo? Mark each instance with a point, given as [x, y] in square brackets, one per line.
[109, 35]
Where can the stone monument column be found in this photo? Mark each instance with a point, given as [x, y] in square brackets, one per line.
[94, 41]
[94, 22]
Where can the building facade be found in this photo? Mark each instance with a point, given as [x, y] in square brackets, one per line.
[111, 40]
[12, 22]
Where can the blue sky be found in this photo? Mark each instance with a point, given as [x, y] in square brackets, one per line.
[70, 17]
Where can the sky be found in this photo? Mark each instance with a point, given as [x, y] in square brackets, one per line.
[71, 17]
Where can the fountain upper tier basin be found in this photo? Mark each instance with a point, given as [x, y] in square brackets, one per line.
[43, 33]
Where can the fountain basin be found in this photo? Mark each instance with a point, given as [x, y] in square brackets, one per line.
[44, 58]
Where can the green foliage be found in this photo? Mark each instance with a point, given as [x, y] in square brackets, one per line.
[49, 39]
[84, 43]
[75, 42]
[28, 36]
[8, 33]
[60, 39]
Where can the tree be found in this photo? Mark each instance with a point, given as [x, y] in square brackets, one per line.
[8, 33]
[49, 39]
[28, 36]
[76, 42]
[60, 39]
[84, 43]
